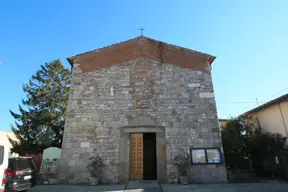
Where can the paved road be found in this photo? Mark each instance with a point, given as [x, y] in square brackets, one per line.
[154, 187]
[249, 187]
[78, 188]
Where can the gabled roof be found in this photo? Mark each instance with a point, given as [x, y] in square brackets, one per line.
[212, 58]
[139, 47]
[269, 103]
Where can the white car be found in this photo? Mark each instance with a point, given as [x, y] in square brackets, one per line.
[4, 155]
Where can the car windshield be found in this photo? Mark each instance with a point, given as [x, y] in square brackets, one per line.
[20, 164]
[23, 164]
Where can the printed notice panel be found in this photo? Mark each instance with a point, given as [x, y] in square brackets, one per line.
[206, 156]
[198, 156]
[213, 155]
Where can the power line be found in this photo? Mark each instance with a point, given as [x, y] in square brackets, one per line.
[271, 97]
[279, 92]
[234, 102]
[255, 102]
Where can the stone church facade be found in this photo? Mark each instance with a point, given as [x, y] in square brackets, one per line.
[138, 104]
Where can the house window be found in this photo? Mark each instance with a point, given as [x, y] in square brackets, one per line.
[205, 156]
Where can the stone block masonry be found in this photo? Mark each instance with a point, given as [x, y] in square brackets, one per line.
[139, 85]
[179, 99]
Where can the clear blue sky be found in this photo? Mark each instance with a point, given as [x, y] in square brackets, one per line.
[249, 38]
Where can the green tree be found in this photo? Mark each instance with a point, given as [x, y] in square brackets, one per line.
[264, 147]
[241, 138]
[41, 125]
[233, 138]
[22, 132]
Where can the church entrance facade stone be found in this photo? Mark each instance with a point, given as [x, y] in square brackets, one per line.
[140, 103]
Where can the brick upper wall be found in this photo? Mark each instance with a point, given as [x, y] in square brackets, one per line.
[141, 47]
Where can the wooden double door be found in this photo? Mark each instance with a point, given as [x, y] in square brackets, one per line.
[143, 164]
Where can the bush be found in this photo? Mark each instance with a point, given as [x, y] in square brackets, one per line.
[241, 138]
[182, 163]
[95, 166]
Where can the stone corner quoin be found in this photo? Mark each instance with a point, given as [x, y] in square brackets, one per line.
[142, 93]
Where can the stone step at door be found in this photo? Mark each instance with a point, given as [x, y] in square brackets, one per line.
[143, 186]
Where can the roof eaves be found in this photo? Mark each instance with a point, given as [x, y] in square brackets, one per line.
[210, 58]
[70, 59]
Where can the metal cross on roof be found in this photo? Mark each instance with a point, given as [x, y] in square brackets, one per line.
[141, 29]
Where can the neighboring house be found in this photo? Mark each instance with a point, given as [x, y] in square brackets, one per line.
[222, 123]
[4, 137]
[138, 104]
[272, 116]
